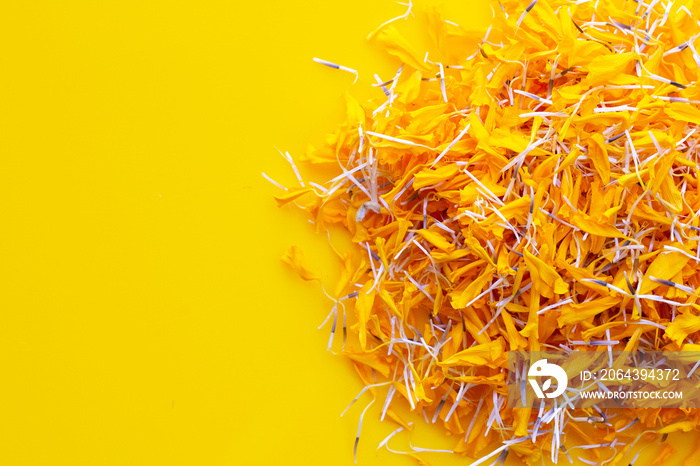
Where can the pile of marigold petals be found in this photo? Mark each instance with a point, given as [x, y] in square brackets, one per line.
[536, 189]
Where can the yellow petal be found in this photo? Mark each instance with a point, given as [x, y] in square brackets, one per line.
[293, 257]
[682, 326]
[363, 308]
[478, 355]
[683, 112]
[545, 278]
[291, 195]
[395, 44]
[665, 266]
[598, 154]
[575, 313]
[437, 240]
[606, 67]
[587, 224]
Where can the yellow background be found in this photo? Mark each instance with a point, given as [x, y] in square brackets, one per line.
[145, 315]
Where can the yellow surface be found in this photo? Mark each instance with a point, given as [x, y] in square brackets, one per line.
[146, 318]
